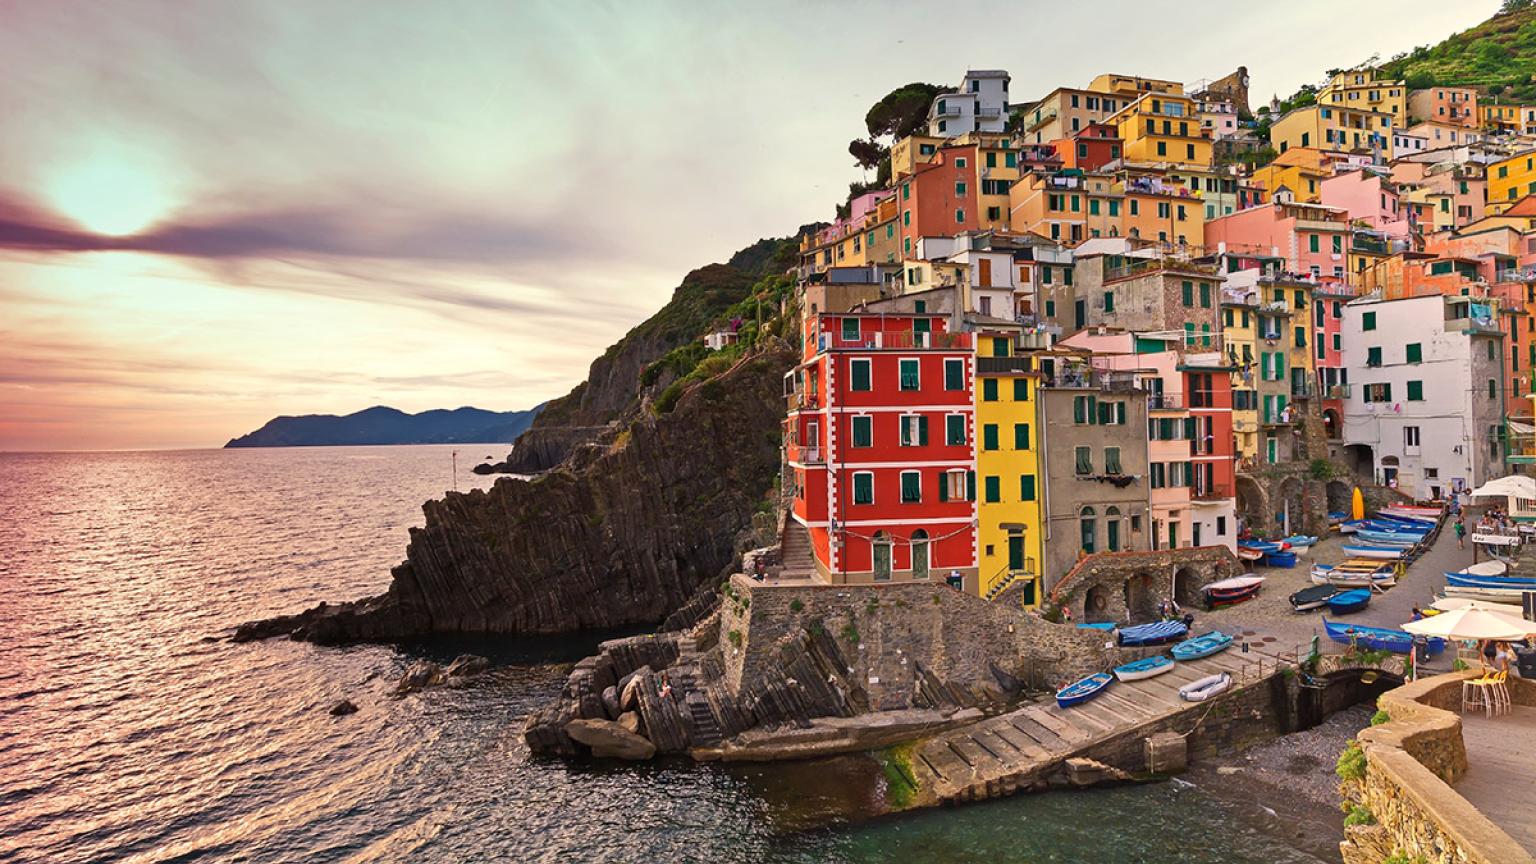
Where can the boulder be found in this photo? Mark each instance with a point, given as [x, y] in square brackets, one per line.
[422, 673]
[629, 689]
[343, 708]
[630, 720]
[611, 702]
[465, 665]
[609, 740]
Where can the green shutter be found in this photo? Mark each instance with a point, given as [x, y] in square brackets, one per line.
[863, 431]
[922, 431]
[1367, 320]
[954, 430]
[1415, 391]
[994, 490]
[858, 373]
[970, 485]
[1205, 295]
[1188, 292]
[954, 374]
[989, 436]
[943, 486]
[1021, 389]
[1079, 409]
[989, 389]
[1021, 436]
[850, 329]
[1027, 488]
[1415, 352]
[1189, 428]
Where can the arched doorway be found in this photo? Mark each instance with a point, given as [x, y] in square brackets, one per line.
[881, 551]
[1096, 604]
[1186, 588]
[920, 554]
[1112, 529]
[1138, 597]
[1252, 503]
[1331, 424]
[1361, 460]
[1087, 530]
[1389, 468]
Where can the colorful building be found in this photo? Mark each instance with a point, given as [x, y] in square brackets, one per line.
[1009, 527]
[1360, 88]
[1162, 128]
[1334, 128]
[1312, 239]
[1512, 177]
[1452, 106]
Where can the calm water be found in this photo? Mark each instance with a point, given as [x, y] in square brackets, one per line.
[132, 730]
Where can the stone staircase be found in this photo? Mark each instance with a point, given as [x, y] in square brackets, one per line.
[684, 676]
[795, 552]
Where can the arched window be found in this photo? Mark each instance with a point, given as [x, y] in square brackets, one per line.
[1112, 529]
[1085, 521]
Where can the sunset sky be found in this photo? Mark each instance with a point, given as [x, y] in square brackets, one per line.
[215, 212]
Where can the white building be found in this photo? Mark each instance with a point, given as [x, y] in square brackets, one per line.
[1407, 143]
[1437, 135]
[980, 106]
[1424, 410]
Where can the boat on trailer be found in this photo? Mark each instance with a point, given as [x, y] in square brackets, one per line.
[1146, 667]
[1082, 690]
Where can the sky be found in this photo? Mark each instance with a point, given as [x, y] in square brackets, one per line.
[214, 213]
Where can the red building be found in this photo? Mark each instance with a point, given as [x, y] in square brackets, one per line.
[940, 199]
[879, 441]
[1091, 148]
[1213, 453]
[1332, 378]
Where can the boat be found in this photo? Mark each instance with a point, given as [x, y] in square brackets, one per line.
[1515, 583]
[1158, 633]
[1349, 526]
[1486, 568]
[1421, 514]
[1384, 538]
[1082, 690]
[1351, 574]
[1384, 552]
[1265, 546]
[1377, 638]
[1407, 526]
[1314, 597]
[1210, 643]
[1279, 559]
[1229, 592]
[1247, 553]
[1146, 667]
[1097, 625]
[1300, 541]
[1492, 595]
[1336, 516]
[1349, 601]
[1205, 688]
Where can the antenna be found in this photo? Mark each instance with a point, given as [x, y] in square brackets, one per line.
[455, 470]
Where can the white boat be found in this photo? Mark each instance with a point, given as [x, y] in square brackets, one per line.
[1354, 580]
[1486, 568]
[1206, 688]
[1236, 583]
[1492, 595]
[1384, 552]
[1422, 514]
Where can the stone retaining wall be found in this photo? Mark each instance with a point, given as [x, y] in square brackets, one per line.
[1126, 586]
[1410, 763]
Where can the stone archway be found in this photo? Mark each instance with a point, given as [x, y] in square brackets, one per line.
[1252, 503]
[1289, 503]
[1340, 496]
[1096, 605]
[1333, 427]
[1138, 592]
[1361, 460]
[1186, 588]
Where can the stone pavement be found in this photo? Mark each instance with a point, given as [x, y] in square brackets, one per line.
[1501, 755]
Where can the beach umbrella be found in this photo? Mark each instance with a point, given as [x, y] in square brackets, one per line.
[1357, 505]
[1513, 486]
[1502, 610]
[1469, 624]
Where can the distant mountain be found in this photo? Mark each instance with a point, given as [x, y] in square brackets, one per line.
[1498, 55]
[382, 425]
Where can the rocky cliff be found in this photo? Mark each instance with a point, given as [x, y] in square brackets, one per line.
[624, 538]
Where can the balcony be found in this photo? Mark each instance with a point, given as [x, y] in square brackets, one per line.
[946, 109]
[1210, 493]
[1045, 117]
[895, 341]
[1165, 402]
[1140, 266]
[796, 401]
[1303, 390]
[806, 454]
[1337, 391]
[1003, 365]
[988, 111]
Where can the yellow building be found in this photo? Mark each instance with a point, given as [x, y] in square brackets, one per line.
[1238, 335]
[1049, 205]
[997, 170]
[1162, 128]
[1300, 169]
[1517, 119]
[1332, 128]
[1360, 88]
[1009, 485]
[1295, 296]
[1512, 178]
[912, 153]
[1134, 85]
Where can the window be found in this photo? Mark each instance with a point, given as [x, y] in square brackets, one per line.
[1157, 475]
[954, 485]
[863, 487]
[1111, 460]
[1410, 436]
[1086, 530]
[858, 374]
[1367, 320]
[863, 431]
[1493, 389]
[1338, 245]
[1027, 487]
[959, 217]
[1021, 436]
[1221, 526]
[911, 487]
[954, 373]
[1021, 390]
[1413, 352]
[989, 436]
[1312, 244]
[993, 487]
[1205, 295]
[914, 430]
[1084, 460]
[1415, 391]
[954, 430]
[850, 329]
[910, 379]
[989, 389]
[1378, 392]
[1188, 289]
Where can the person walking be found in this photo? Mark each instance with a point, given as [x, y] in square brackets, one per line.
[1461, 533]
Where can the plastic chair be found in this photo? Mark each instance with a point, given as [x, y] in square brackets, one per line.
[1472, 694]
[1498, 688]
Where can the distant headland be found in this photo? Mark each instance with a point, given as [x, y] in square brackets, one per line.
[384, 425]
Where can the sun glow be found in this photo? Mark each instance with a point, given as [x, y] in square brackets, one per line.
[111, 192]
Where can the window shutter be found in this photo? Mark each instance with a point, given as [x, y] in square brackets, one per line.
[970, 485]
[1093, 409]
[1189, 428]
[943, 486]
[922, 431]
[1120, 413]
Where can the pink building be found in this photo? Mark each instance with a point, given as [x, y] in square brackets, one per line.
[1312, 238]
[1456, 106]
[1332, 378]
[1369, 198]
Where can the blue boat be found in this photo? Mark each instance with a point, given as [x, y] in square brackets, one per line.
[1146, 667]
[1349, 601]
[1375, 551]
[1279, 559]
[1336, 516]
[1261, 545]
[1404, 526]
[1300, 541]
[1516, 583]
[1097, 625]
[1384, 538]
[1210, 643]
[1081, 691]
[1159, 633]
[1377, 638]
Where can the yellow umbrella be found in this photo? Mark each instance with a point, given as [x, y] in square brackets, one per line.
[1357, 505]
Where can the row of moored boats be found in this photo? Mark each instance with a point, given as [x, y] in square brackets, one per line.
[1146, 635]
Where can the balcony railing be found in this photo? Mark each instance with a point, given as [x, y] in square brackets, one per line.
[1165, 401]
[1303, 389]
[806, 455]
[795, 401]
[1001, 365]
[895, 341]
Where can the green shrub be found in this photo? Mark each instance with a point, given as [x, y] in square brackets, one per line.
[1351, 764]
[1359, 816]
[668, 398]
[850, 633]
[1380, 717]
[795, 605]
[735, 637]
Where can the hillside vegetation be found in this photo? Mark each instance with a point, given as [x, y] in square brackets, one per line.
[1498, 55]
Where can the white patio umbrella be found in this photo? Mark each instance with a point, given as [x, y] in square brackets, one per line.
[1469, 624]
[1501, 610]
[1512, 486]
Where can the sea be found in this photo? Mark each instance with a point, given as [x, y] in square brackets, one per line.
[133, 730]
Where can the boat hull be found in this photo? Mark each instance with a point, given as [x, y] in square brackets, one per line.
[1206, 688]
[1159, 633]
[1315, 597]
[1150, 667]
[1377, 638]
[1081, 691]
[1349, 601]
[1201, 646]
[1384, 553]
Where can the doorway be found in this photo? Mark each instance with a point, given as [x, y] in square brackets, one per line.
[882, 557]
[920, 554]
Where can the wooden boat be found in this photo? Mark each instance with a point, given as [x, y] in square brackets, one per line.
[1355, 580]
[1383, 552]
[1146, 667]
[1248, 553]
[1512, 582]
[1158, 633]
[1377, 638]
[1205, 688]
[1084, 689]
[1349, 601]
[1384, 538]
[1232, 591]
[1486, 568]
[1205, 645]
[1312, 598]
[1279, 559]
[1300, 541]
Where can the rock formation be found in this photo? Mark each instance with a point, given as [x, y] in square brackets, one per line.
[624, 539]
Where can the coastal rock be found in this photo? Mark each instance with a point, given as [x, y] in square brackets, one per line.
[631, 721]
[629, 698]
[609, 740]
[343, 708]
[624, 541]
[466, 665]
[611, 702]
[419, 675]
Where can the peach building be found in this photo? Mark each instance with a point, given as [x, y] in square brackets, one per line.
[1313, 239]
